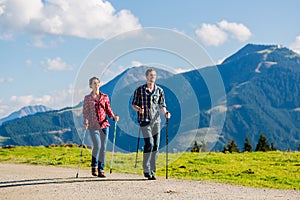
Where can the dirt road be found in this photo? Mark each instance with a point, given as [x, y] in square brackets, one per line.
[50, 183]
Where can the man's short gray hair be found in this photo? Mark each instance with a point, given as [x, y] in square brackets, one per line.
[149, 70]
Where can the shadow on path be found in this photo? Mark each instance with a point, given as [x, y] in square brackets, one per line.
[70, 180]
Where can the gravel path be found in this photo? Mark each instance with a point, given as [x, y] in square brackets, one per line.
[39, 182]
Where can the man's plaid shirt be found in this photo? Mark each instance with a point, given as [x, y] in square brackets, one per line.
[150, 101]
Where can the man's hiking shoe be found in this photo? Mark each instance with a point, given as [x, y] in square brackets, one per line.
[146, 175]
[151, 178]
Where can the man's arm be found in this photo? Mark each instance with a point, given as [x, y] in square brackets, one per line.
[138, 109]
[135, 102]
[165, 112]
[163, 108]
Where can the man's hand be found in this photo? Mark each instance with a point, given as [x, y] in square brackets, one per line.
[168, 115]
[141, 110]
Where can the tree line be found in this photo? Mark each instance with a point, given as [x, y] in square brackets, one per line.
[231, 146]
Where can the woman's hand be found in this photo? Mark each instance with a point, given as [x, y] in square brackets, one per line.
[116, 118]
[86, 126]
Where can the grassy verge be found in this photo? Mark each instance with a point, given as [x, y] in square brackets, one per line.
[280, 170]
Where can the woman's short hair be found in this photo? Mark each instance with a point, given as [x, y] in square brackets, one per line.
[92, 79]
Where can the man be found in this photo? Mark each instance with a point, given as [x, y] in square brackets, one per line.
[147, 101]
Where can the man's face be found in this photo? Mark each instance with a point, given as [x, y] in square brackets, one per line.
[151, 77]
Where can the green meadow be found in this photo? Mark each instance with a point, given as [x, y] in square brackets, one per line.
[274, 169]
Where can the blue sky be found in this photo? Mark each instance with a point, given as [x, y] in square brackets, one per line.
[44, 43]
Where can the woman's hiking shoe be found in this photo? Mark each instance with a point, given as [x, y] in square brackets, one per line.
[101, 175]
[94, 171]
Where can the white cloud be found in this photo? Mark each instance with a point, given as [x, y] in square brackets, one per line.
[3, 110]
[217, 34]
[295, 46]
[55, 100]
[28, 62]
[38, 42]
[111, 73]
[136, 63]
[6, 36]
[238, 31]
[1, 9]
[217, 109]
[44, 42]
[6, 80]
[56, 64]
[30, 100]
[17, 14]
[180, 70]
[61, 98]
[211, 35]
[87, 19]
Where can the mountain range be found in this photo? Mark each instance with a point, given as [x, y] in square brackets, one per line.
[262, 96]
[25, 111]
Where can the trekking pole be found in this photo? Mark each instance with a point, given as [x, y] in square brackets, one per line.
[137, 148]
[167, 144]
[82, 143]
[113, 148]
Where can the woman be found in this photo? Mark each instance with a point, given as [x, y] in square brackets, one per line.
[96, 107]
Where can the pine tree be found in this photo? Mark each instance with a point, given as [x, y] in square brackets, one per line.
[234, 147]
[273, 148]
[262, 144]
[299, 147]
[247, 145]
[195, 147]
[231, 147]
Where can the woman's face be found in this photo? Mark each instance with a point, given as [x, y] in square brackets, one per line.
[95, 85]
